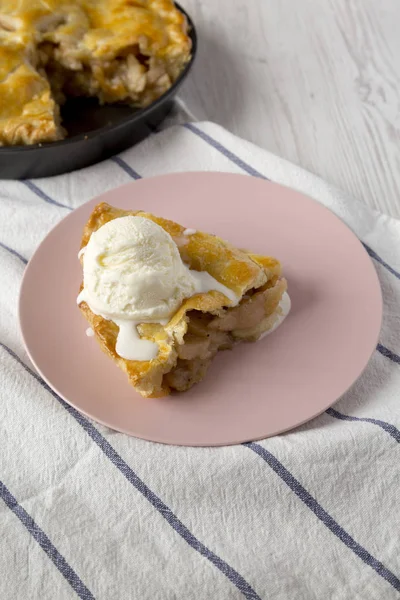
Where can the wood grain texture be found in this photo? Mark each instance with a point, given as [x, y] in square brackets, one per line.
[316, 82]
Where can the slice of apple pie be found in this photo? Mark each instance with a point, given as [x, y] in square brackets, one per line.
[162, 300]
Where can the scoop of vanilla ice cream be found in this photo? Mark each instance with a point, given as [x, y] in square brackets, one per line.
[132, 269]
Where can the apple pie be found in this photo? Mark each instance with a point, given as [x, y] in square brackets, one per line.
[202, 323]
[115, 50]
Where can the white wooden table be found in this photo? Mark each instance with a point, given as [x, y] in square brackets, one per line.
[314, 81]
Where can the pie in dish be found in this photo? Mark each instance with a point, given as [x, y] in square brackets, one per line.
[243, 300]
[114, 50]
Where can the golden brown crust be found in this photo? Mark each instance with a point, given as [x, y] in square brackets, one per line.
[256, 279]
[28, 113]
[116, 50]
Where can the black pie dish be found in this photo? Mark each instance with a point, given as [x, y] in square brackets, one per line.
[94, 132]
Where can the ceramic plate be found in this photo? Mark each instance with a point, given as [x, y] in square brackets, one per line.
[255, 391]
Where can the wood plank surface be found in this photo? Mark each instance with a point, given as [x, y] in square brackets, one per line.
[314, 81]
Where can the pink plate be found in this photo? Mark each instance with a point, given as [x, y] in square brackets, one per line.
[255, 391]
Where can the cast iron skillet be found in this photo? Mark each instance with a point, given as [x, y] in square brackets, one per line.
[94, 132]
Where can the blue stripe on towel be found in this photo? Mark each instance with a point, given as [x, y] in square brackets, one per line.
[388, 353]
[233, 576]
[380, 260]
[39, 535]
[124, 165]
[14, 252]
[322, 515]
[230, 155]
[391, 429]
[41, 194]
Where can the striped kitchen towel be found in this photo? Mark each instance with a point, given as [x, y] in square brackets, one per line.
[90, 513]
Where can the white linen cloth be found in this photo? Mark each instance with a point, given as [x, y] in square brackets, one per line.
[87, 512]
